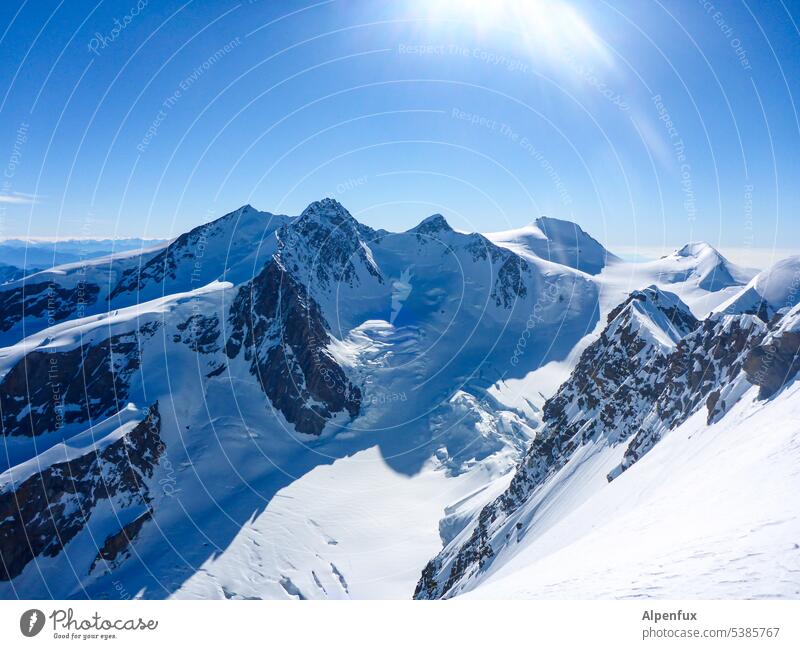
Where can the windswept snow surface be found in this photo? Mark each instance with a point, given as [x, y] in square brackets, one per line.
[355, 529]
[776, 288]
[710, 512]
[561, 242]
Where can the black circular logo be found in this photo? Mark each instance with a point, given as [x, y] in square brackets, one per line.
[31, 622]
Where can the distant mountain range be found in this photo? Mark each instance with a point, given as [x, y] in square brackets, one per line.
[300, 407]
[27, 254]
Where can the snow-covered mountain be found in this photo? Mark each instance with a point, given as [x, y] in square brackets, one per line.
[305, 407]
[656, 378]
[235, 246]
[561, 242]
[291, 349]
[769, 292]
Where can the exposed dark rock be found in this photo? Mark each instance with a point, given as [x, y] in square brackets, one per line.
[46, 390]
[284, 336]
[775, 363]
[43, 513]
[509, 270]
[325, 247]
[676, 313]
[699, 372]
[610, 392]
[45, 300]
[186, 251]
[201, 333]
[117, 544]
[216, 371]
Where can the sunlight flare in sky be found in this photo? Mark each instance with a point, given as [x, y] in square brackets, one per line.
[550, 28]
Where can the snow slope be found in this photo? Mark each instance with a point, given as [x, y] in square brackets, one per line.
[232, 247]
[654, 377]
[710, 513]
[561, 242]
[771, 290]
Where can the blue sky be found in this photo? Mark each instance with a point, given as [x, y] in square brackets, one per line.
[650, 124]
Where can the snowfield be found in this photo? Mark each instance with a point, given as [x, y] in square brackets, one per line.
[709, 513]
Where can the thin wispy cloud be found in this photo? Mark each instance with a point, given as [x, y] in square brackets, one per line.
[18, 199]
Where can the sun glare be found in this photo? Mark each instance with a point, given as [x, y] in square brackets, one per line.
[550, 28]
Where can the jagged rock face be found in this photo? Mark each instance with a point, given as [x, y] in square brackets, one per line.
[613, 386]
[774, 365]
[159, 267]
[115, 547]
[703, 370]
[776, 361]
[46, 390]
[760, 309]
[628, 384]
[509, 284]
[200, 333]
[284, 337]
[704, 363]
[677, 314]
[324, 248]
[44, 300]
[620, 373]
[39, 516]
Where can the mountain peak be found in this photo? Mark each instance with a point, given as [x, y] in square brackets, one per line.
[697, 249]
[707, 266]
[558, 241]
[432, 225]
[768, 291]
[553, 227]
[660, 311]
[327, 209]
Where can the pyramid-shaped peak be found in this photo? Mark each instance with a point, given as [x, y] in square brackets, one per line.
[654, 313]
[697, 249]
[327, 209]
[432, 225]
[653, 298]
[656, 296]
[240, 211]
[242, 217]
